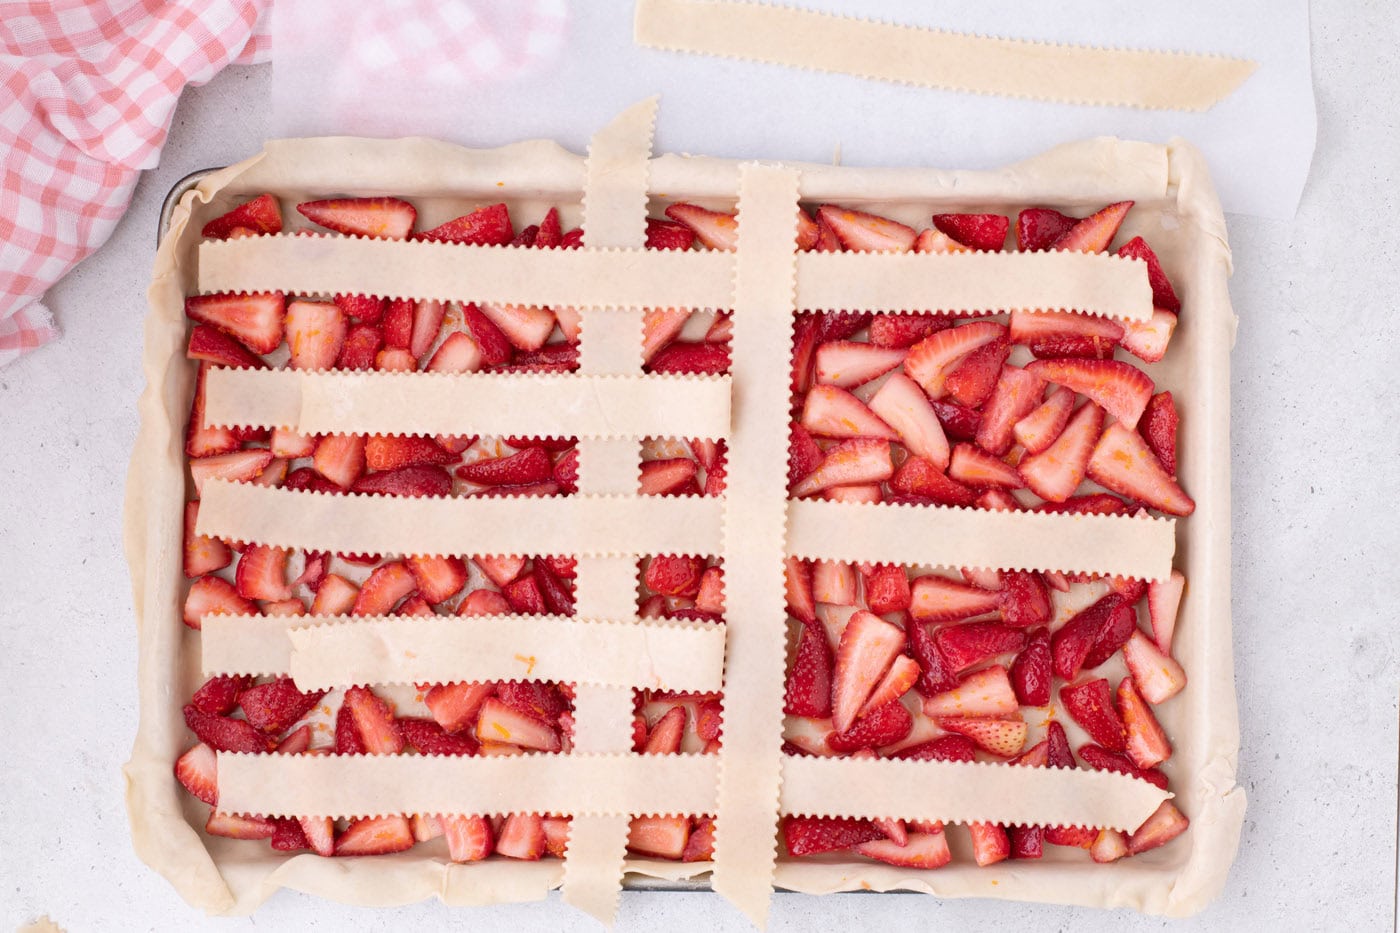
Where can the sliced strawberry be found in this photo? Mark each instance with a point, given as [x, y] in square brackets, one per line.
[984, 693]
[902, 405]
[975, 467]
[809, 234]
[801, 604]
[1072, 642]
[1094, 233]
[1163, 602]
[1158, 676]
[202, 554]
[1109, 846]
[211, 345]
[364, 308]
[667, 234]
[558, 598]
[864, 232]
[262, 573]
[1025, 599]
[197, 770]
[1016, 395]
[455, 706]
[234, 826]
[833, 412]
[1163, 295]
[665, 737]
[213, 596]
[219, 694]
[495, 347]
[700, 847]
[959, 421]
[900, 331]
[978, 231]
[392, 451]
[1148, 745]
[1030, 672]
[695, 358]
[1058, 754]
[526, 327]
[939, 599]
[990, 843]
[384, 589]
[201, 440]
[498, 722]
[714, 229]
[415, 605]
[1033, 327]
[1114, 634]
[666, 477]
[1148, 339]
[921, 850]
[673, 575]
[971, 381]
[469, 838]
[811, 835]
[398, 324]
[360, 350]
[458, 354]
[1056, 472]
[334, 597]
[660, 326]
[1039, 429]
[884, 725]
[898, 680]
[950, 747]
[340, 458]
[1119, 388]
[276, 706]
[502, 568]
[806, 336]
[524, 596]
[932, 360]
[347, 736]
[804, 455]
[374, 722]
[236, 467]
[531, 465]
[521, 836]
[1101, 759]
[1158, 427]
[565, 471]
[438, 578]
[847, 363]
[261, 215]
[970, 643]
[296, 741]
[485, 226]
[1124, 463]
[867, 648]
[834, 583]
[429, 738]
[406, 481]
[225, 734]
[917, 477]
[376, 835]
[887, 589]
[389, 218]
[1079, 837]
[659, 836]
[1001, 737]
[711, 595]
[852, 462]
[1090, 704]
[1161, 828]
[827, 240]
[1038, 227]
[255, 320]
[1058, 346]
[1097, 503]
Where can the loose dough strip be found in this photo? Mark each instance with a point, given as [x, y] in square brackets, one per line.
[754, 519]
[519, 404]
[995, 539]
[362, 524]
[340, 651]
[1076, 74]
[618, 785]
[1094, 283]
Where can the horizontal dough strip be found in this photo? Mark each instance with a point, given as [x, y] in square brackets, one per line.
[324, 652]
[599, 784]
[1076, 74]
[948, 536]
[1094, 283]
[462, 525]
[519, 404]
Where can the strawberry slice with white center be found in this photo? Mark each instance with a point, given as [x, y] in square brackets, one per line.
[1148, 745]
[570, 321]
[315, 334]
[202, 553]
[923, 483]
[834, 583]
[981, 694]
[290, 445]
[1038, 430]
[932, 359]
[1016, 395]
[1002, 737]
[233, 826]
[201, 440]
[665, 477]
[212, 345]
[1163, 602]
[714, 229]
[659, 836]
[406, 481]
[864, 232]
[521, 837]
[384, 589]
[1091, 705]
[867, 648]
[898, 680]
[255, 320]
[261, 215]
[319, 832]
[1163, 295]
[458, 354]
[797, 578]
[376, 835]
[455, 706]
[500, 569]
[847, 363]
[1122, 462]
[498, 722]
[214, 596]
[197, 770]
[427, 323]
[904, 407]
[393, 451]
[1056, 472]
[975, 467]
[920, 850]
[904, 330]
[852, 462]
[469, 838]
[1148, 340]
[833, 412]
[971, 382]
[1095, 232]
[940, 599]
[990, 844]
[1161, 828]
[374, 722]
[262, 573]
[340, 458]
[659, 327]
[1158, 676]
[1034, 327]
[531, 465]
[438, 578]
[334, 597]
[485, 226]
[389, 218]
[665, 737]
[1109, 846]
[1119, 388]
[711, 595]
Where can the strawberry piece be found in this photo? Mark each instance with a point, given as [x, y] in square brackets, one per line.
[429, 738]
[373, 722]
[1079, 837]
[971, 382]
[211, 345]
[197, 770]
[565, 472]
[959, 422]
[1148, 745]
[971, 643]
[415, 605]
[808, 690]
[1090, 704]
[315, 334]
[666, 735]
[809, 235]
[392, 451]
[1025, 599]
[1147, 340]
[902, 405]
[667, 234]
[1123, 462]
[261, 215]
[549, 233]
[1163, 601]
[225, 734]
[801, 604]
[274, 707]
[1001, 737]
[806, 336]
[398, 324]
[340, 458]
[1119, 388]
[700, 847]
[485, 226]
[498, 722]
[389, 218]
[887, 589]
[990, 844]
[524, 596]
[1101, 759]
[1114, 634]
[219, 694]
[521, 836]
[558, 598]
[714, 229]
[659, 836]
[1058, 346]
[709, 721]
[494, 346]
[933, 359]
[383, 590]
[867, 648]
[363, 308]
[695, 358]
[290, 445]
[1058, 754]
[864, 232]
[710, 598]
[1158, 676]
[722, 330]
[438, 578]
[296, 741]
[978, 231]
[406, 481]
[812, 835]
[1109, 846]
[884, 725]
[919, 478]
[1163, 295]
[376, 835]
[455, 706]
[1161, 828]
[920, 850]
[975, 467]
[672, 575]
[1039, 429]
[666, 477]
[239, 827]
[469, 838]
[334, 597]
[262, 573]
[213, 596]
[852, 462]
[804, 456]
[1016, 395]
[939, 599]
[201, 440]
[236, 467]
[1158, 428]
[202, 554]
[427, 323]
[526, 327]
[1033, 327]
[834, 583]
[1072, 642]
[1095, 232]
[950, 747]
[1097, 503]
[254, 320]
[833, 412]
[659, 327]
[1038, 227]
[847, 363]
[984, 693]
[500, 569]
[1030, 672]
[531, 465]
[347, 736]
[360, 351]
[900, 331]
[1056, 472]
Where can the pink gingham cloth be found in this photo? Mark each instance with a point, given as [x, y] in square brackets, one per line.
[87, 91]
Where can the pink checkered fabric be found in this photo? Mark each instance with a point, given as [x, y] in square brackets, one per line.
[87, 91]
